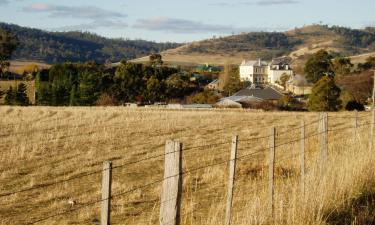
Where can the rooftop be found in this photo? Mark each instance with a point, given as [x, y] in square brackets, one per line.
[265, 93]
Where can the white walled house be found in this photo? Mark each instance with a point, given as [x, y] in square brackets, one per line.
[276, 69]
[260, 72]
[254, 71]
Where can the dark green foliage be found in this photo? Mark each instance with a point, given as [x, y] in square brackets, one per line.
[1, 93]
[354, 105]
[369, 64]
[21, 95]
[342, 66]
[10, 96]
[88, 84]
[178, 85]
[205, 97]
[55, 47]
[8, 44]
[318, 66]
[17, 96]
[155, 60]
[325, 96]
[355, 37]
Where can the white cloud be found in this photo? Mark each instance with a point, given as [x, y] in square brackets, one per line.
[85, 12]
[187, 26]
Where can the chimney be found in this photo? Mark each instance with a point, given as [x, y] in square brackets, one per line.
[259, 62]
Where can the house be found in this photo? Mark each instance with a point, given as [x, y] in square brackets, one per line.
[277, 68]
[253, 94]
[261, 72]
[255, 72]
[214, 85]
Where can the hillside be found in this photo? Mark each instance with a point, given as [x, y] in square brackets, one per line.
[54, 47]
[51, 155]
[297, 43]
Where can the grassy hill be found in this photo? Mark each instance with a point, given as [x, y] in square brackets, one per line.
[298, 44]
[44, 148]
[54, 47]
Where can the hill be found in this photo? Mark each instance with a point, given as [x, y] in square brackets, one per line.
[54, 47]
[57, 154]
[297, 43]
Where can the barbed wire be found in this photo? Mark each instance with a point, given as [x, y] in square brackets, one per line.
[161, 180]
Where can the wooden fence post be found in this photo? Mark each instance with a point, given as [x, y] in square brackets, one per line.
[272, 171]
[303, 133]
[172, 184]
[106, 193]
[323, 140]
[372, 131]
[232, 171]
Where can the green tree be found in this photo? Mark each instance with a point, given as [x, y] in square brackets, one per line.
[154, 90]
[342, 66]
[155, 60]
[10, 96]
[205, 97]
[1, 93]
[283, 79]
[8, 44]
[318, 66]
[325, 96]
[21, 95]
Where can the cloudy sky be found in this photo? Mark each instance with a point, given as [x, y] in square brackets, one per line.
[183, 21]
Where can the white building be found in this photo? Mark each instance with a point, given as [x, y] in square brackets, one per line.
[260, 72]
[254, 71]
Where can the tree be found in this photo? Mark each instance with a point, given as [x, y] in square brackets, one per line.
[1, 93]
[21, 95]
[205, 97]
[369, 64]
[342, 66]
[8, 44]
[10, 96]
[283, 79]
[318, 66]
[325, 95]
[156, 60]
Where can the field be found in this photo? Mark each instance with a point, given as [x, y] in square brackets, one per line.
[18, 66]
[44, 149]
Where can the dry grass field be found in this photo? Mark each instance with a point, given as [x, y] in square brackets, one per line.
[41, 146]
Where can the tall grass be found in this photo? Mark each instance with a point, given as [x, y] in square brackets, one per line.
[42, 145]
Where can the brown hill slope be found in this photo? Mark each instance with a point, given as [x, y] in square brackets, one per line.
[297, 43]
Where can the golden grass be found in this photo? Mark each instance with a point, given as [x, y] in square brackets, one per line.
[40, 145]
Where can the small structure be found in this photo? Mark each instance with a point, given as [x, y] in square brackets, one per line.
[214, 85]
[260, 93]
[250, 95]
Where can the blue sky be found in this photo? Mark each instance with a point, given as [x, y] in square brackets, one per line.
[183, 21]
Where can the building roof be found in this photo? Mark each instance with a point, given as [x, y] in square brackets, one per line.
[266, 93]
[254, 63]
[214, 82]
[281, 61]
[242, 99]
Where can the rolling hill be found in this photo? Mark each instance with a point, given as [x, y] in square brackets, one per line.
[297, 43]
[54, 47]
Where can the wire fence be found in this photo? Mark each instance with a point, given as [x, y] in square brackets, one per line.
[249, 153]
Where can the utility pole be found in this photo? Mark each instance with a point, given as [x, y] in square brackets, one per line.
[373, 93]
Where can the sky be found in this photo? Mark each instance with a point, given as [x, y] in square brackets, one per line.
[183, 21]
